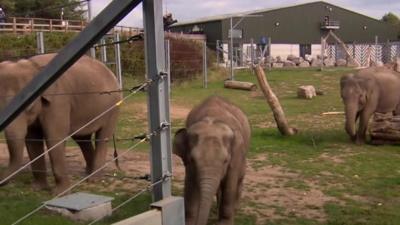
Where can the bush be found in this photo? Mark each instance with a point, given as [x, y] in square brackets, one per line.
[186, 55]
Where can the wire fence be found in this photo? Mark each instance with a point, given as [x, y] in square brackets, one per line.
[366, 53]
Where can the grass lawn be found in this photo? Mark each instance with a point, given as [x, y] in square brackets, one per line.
[319, 177]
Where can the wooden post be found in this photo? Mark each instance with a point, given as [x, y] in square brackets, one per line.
[32, 24]
[51, 25]
[273, 102]
[14, 25]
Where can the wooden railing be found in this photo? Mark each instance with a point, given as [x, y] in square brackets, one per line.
[26, 25]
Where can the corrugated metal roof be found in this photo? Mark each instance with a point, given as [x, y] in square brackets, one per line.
[238, 14]
[229, 15]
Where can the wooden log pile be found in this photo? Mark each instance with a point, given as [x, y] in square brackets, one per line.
[385, 129]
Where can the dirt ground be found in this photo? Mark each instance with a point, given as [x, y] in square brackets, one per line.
[266, 193]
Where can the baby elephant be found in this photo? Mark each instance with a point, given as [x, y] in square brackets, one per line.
[213, 147]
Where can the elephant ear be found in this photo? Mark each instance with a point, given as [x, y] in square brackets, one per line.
[345, 78]
[181, 145]
[47, 96]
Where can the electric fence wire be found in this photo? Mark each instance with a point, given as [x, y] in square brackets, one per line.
[84, 92]
[147, 189]
[81, 181]
[147, 83]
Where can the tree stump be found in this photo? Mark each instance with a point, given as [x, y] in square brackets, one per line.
[273, 103]
[385, 129]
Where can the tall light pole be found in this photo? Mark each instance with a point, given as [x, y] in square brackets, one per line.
[242, 17]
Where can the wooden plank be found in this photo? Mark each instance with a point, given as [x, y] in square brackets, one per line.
[152, 217]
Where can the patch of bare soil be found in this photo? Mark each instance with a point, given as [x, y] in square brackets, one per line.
[265, 193]
[177, 111]
[267, 189]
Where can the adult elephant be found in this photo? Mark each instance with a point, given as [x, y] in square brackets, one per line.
[213, 147]
[72, 101]
[368, 91]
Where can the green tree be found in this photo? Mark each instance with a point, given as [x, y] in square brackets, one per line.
[392, 19]
[50, 9]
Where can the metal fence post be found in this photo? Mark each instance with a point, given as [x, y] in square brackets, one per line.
[205, 79]
[118, 65]
[103, 51]
[89, 18]
[168, 61]
[231, 52]
[252, 51]
[376, 50]
[40, 43]
[158, 98]
[217, 51]
[322, 53]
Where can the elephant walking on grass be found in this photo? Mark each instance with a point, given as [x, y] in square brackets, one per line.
[368, 91]
[58, 112]
[213, 148]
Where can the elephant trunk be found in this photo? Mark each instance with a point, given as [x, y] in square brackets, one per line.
[208, 189]
[351, 119]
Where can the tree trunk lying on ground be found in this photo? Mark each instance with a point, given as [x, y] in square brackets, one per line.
[385, 129]
[240, 85]
[273, 102]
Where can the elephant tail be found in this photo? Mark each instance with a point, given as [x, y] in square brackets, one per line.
[116, 154]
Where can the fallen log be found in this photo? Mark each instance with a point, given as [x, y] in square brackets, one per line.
[247, 86]
[385, 129]
[273, 103]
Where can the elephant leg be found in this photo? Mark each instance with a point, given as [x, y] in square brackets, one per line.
[55, 129]
[363, 125]
[15, 134]
[103, 136]
[35, 148]
[230, 194]
[100, 153]
[87, 149]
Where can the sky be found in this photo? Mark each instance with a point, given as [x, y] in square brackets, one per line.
[184, 10]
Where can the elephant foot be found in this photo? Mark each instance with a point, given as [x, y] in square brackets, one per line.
[40, 186]
[359, 141]
[60, 188]
[97, 177]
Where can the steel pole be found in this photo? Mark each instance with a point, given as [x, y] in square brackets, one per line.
[89, 18]
[40, 43]
[231, 52]
[118, 66]
[217, 51]
[103, 50]
[158, 98]
[205, 79]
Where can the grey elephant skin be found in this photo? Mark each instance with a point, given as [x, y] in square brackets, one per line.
[213, 148]
[58, 112]
[371, 90]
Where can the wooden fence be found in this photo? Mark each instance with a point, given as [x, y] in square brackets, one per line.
[27, 25]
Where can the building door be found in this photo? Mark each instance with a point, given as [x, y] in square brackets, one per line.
[305, 49]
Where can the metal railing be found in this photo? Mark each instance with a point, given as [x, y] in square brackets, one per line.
[330, 24]
[28, 25]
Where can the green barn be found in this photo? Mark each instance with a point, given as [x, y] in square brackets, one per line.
[293, 29]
